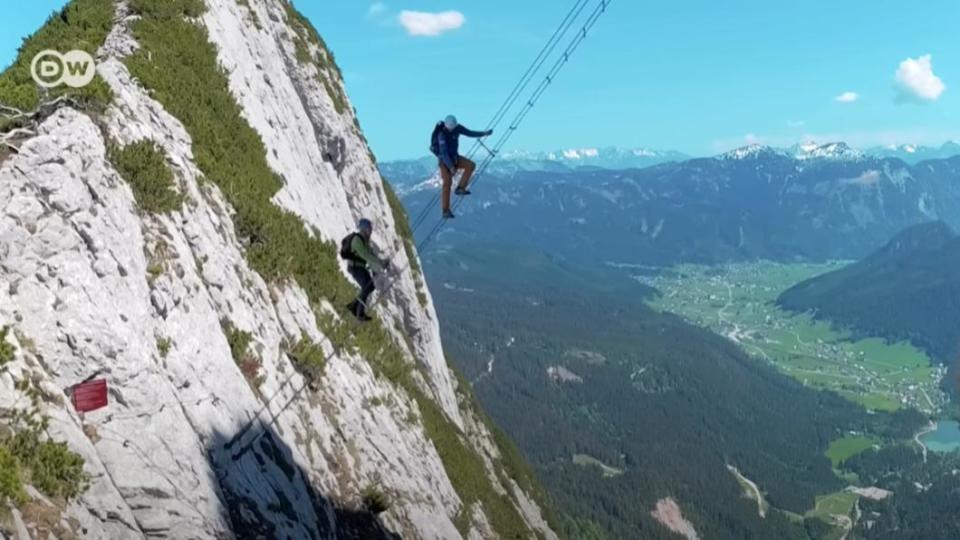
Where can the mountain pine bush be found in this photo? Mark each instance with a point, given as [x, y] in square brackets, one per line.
[143, 166]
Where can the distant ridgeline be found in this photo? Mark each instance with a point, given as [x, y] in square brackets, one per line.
[754, 203]
[908, 290]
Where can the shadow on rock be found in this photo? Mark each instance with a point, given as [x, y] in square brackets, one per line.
[266, 495]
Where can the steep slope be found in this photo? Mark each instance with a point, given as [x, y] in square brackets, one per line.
[172, 229]
[909, 289]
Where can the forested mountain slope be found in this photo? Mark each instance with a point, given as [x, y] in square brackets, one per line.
[909, 289]
[619, 408]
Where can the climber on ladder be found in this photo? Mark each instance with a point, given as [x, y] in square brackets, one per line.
[355, 249]
[445, 144]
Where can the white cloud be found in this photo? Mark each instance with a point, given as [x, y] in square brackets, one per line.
[796, 123]
[421, 23]
[751, 138]
[917, 82]
[377, 9]
[868, 178]
[847, 97]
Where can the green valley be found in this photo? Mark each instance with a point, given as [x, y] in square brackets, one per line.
[737, 301]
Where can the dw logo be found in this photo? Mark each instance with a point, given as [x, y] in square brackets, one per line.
[49, 68]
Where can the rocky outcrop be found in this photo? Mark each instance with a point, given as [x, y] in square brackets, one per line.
[191, 444]
[668, 513]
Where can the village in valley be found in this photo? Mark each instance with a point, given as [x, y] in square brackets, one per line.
[739, 302]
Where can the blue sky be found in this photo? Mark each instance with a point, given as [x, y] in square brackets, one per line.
[699, 76]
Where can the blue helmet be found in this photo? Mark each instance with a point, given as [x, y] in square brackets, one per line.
[450, 122]
[365, 225]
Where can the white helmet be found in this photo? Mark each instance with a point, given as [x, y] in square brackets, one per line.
[450, 122]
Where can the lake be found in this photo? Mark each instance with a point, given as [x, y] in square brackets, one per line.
[946, 438]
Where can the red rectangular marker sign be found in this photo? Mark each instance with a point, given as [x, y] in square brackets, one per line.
[90, 396]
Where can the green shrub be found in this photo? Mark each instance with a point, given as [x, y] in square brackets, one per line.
[154, 270]
[374, 500]
[248, 363]
[47, 465]
[11, 485]
[81, 24]
[301, 25]
[6, 350]
[328, 73]
[179, 65]
[238, 340]
[468, 474]
[301, 50]
[163, 346]
[143, 166]
[308, 356]
[339, 101]
[253, 14]
[56, 471]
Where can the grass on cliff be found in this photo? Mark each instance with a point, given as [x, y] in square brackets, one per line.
[6, 349]
[179, 65]
[328, 73]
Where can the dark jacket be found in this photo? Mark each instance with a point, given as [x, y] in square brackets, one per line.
[449, 143]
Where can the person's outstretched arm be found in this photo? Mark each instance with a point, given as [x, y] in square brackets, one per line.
[474, 134]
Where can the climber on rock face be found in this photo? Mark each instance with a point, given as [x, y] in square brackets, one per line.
[445, 143]
[355, 249]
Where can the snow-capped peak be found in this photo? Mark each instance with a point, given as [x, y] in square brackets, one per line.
[607, 157]
[749, 151]
[808, 146]
[832, 151]
[581, 153]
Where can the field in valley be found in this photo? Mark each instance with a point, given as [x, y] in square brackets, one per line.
[737, 301]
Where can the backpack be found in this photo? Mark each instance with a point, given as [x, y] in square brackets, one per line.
[346, 250]
[435, 139]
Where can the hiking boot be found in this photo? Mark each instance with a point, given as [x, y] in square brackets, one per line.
[363, 317]
[461, 191]
[447, 214]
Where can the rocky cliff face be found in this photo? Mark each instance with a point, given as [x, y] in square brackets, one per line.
[241, 403]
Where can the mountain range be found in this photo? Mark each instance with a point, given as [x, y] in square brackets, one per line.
[912, 153]
[567, 160]
[554, 161]
[756, 202]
